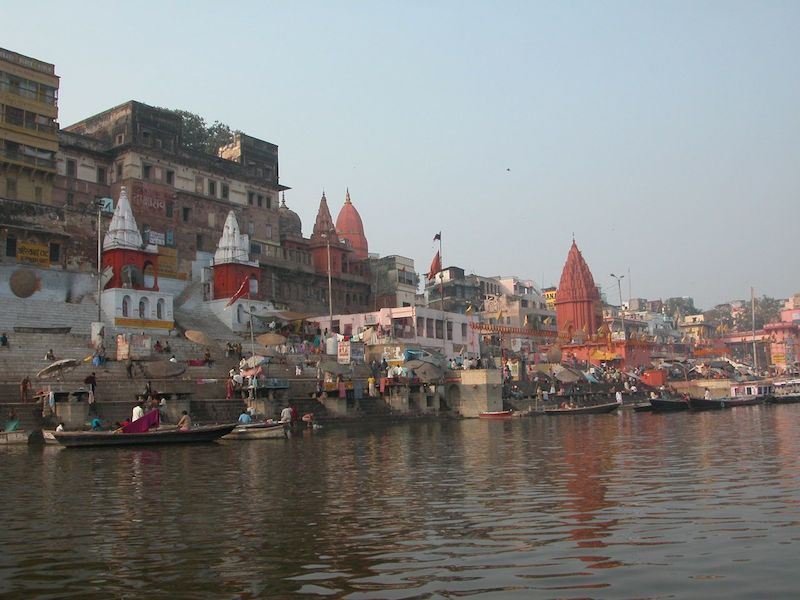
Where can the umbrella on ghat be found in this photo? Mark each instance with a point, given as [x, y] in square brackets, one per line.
[198, 337]
[58, 368]
[271, 339]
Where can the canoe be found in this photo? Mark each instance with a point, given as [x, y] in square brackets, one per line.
[79, 439]
[718, 403]
[669, 403]
[257, 431]
[13, 437]
[590, 409]
[496, 414]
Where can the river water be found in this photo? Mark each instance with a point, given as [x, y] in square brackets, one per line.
[634, 505]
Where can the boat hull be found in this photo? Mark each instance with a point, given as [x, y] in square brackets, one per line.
[8, 438]
[669, 404]
[498, 414]
[256, 432]
[720, 403]
[595, 409]
[80, 439]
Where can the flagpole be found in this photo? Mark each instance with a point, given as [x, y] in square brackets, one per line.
[250, 312]
[441, 294]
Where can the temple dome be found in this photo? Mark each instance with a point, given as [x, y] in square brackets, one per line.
[576, 281]
[350, 228]
[233, 246]
[122, 231]
[289, 221]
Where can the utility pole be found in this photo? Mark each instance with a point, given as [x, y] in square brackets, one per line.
[99, 204]
[619, 279]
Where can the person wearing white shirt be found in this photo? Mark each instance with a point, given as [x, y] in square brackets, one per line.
[138, 412]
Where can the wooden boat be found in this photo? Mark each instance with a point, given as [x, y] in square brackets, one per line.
[496, 414]
[643, 407]
[13, 437]
[669, 403]
[728, 402]
[785, 391]
[590, 409]
[78, 439]
[257, 431]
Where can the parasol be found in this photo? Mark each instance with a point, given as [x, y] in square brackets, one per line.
[271, 339]
[333, 367]
[566, 375]
[253, 361]
[58, 368]
[164, 369]
[198, 337]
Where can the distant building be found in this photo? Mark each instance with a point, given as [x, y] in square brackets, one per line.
[395, 281]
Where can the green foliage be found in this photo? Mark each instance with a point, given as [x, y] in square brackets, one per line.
[680, 307]
[200, 137]
[767, 310]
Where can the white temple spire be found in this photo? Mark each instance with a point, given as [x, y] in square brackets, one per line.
[123, 232]
[233, 247]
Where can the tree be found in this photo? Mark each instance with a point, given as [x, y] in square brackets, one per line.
[680, 307]
[199, 137]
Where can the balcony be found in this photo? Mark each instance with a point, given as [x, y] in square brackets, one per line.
[22, 92]
[48, 129]
[33, 161]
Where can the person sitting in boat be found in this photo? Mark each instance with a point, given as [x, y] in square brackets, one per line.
[96, 424]
[185, 424]
[245, 418]
[60, 426]
[138, 410]
[707, 394]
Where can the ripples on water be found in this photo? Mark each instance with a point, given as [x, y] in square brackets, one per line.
[605, 506]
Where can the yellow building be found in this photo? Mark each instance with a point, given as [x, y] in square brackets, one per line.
[28, 128]
[550, 297]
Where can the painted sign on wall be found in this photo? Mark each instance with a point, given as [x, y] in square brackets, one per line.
[37, 254]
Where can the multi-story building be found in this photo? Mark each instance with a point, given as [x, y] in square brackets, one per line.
[28, 128]
[395, 281]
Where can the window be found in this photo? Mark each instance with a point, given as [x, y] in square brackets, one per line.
[11, 188]
[255, 248]
[160, 309]
[146, 138]
[70, 198]
[37, 193]
[269, 231]
[126, 306]
[144, 308]
[169, 238]
[450, 330]
[439, 329]
[250, 197]
[118, 167]
[55, 253]
[251, 227]
[147, 171]
[101, 175]
[225, 191]
[260, 201]
[72, 167]
[198, 240]
[11, 246]
[463, 331]
[170, 177]
[212, 187]
[168, 207]
[269, 202]
[120, 138]
[186, 213]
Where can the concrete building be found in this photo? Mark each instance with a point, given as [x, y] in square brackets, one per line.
[28, 127]
[395, 281]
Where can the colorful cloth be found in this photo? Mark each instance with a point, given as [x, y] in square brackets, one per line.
[141, 425]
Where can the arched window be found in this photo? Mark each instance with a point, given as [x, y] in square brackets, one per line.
[126, 306]
[144, 308]
[160, 309]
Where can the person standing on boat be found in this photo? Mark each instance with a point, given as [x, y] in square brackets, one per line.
[707, 394]
[138, 411]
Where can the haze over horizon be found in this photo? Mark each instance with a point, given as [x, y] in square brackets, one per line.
[665, 137]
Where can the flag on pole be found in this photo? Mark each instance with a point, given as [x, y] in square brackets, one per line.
[243, 289]
[438, 236]
[469, 310]
[436, 266]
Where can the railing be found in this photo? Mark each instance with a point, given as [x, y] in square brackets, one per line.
[42, 163]
[41, 127]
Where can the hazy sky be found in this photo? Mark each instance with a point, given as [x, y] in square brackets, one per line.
[665, 135]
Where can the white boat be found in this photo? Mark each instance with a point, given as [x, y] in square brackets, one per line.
[49, 437]
[257, 431]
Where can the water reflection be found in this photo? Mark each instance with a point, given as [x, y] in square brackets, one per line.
[629, 505]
